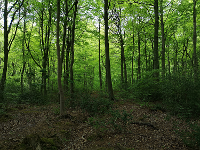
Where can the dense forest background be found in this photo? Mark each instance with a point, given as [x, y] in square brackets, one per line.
[150, 51]
[65, 51]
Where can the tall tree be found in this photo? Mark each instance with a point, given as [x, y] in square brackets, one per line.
[3, 78]
[72, 50]
[59, 61]
[163, 38]
[100, 75]
[156, 24]
[45, 44]
[108, 74]
[7, 44]
[121, 41]
[195, 41]
[23, 52]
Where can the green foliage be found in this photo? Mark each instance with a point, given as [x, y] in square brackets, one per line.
[2, 109]
[117, 121]
[147, 88]
[33, 97]
[56, 110]
[181, 95]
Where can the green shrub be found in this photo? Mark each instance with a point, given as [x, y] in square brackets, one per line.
[92, 105]
[181, 95]
[33, 97]
[147, 89]
[95, 105]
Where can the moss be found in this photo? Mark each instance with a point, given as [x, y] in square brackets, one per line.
[48, 141]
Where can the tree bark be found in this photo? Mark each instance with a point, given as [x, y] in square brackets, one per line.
[45, 48]
[132, 56]
[139, 67]
[59, 61]
[156, 24]
[163, 39]
[66, 77]
[108, 74]
[145, 51]
[3, 78]
[100, 75]
[23, 52]
[72, 51]
[195, 42]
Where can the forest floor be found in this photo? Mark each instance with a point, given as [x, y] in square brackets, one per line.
[34, 127]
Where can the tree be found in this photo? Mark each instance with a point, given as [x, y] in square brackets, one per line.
[72, 50]
[61, 93]
[100, 74]
[7, 44]
[163, 38]
[195, 42]
[3, 78]
[156, 24]
[108, 75]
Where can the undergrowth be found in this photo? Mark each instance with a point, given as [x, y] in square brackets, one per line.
[177, 94]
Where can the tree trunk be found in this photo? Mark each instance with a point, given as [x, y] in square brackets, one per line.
[139, 71]
[176, 55]
[64, 31]
[195, 42]
[145, 51]
[169, 70]
[45, 47]
[59, 61]
[132, 56]
[100, 76]
[3, 78]
[123, 63]
[163, 39]
[108, 74]
[66, 77]
[156, 62]
[72, 52]
[23, 51]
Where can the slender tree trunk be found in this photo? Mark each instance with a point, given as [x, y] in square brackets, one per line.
[163, 39]
[145, 51]
[132, 56]
[46, 47]
[169, 71]
[125, 73]
[23, 51]
[3, 78]
[64, 31]
[139, 67]
[66, 77]
[100, 76]
[72, 51]
[59, 61]
[176, 55]
[156, 62]
[108, 74]
[195, 42]
[123, 63]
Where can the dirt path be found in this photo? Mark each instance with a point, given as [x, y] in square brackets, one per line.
[40, 126]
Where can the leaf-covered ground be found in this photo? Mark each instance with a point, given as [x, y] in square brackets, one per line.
[30, 127]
